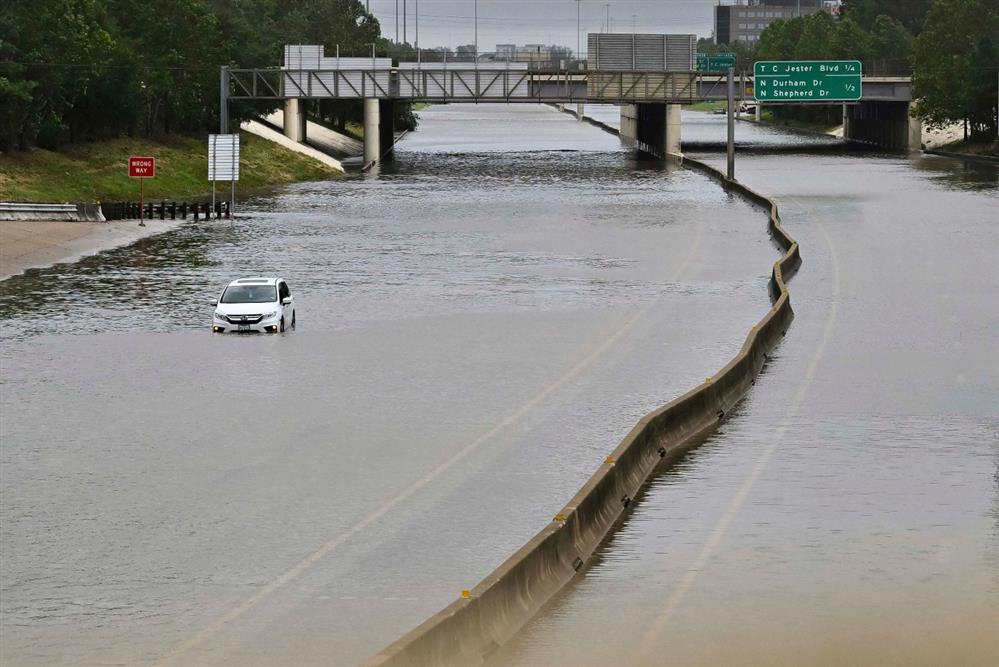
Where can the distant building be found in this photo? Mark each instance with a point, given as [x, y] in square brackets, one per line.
[743, 22]
[539, 54]
[532, 53]
[505, 51]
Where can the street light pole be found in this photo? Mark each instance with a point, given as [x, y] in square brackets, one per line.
[730, 171]
[578, 49]
[476, 31]
[417, 26]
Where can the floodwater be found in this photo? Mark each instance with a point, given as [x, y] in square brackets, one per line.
[478, 326]
[848, 511]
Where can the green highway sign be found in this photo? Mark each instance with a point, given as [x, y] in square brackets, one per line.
[715, 62]
[807, 80]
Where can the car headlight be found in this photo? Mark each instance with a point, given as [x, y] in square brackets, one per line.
[219, 315]
[269, 315]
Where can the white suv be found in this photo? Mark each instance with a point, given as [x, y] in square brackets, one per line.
[254, 304]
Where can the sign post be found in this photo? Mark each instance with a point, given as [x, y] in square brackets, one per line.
[730, 153]
[808, 81]
[141, 168]
[223, 164]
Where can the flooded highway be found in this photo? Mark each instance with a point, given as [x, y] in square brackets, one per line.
[478, 325]
[848, 511]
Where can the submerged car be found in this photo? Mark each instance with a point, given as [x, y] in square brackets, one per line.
[263, 305]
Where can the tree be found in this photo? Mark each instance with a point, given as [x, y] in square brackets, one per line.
[815, 42]
[850, 42]
[779, 39]
[79, 70]
[908, 13]
[955, 63]
[64, 48]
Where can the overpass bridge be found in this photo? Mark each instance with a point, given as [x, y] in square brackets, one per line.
[466, 83]
[650, 98]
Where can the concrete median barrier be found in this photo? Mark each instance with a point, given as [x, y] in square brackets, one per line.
[470, 629]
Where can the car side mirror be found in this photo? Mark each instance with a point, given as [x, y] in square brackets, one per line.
[286, 301]
[215, 302]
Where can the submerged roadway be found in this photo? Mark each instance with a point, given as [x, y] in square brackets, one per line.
[848, 512]
[479, 325]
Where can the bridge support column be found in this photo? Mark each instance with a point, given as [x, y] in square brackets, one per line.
[915, 131]
[759, 111]
[629, 124]
[372, 130]
[580, 110]
[295, 120]
[674, 127]
[386, 128]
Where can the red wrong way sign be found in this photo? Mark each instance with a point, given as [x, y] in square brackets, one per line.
[141, 167]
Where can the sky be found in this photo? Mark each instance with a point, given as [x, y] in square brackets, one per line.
[450, 22]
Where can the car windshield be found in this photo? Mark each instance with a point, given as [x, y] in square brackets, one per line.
[249, 294]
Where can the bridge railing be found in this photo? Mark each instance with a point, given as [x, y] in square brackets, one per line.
[462, 82]
[458, 82]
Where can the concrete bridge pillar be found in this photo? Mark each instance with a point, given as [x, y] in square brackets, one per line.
[295, 120]
[629, 124]
[372, 130]
[759, 111]
[580, 110]
[674, 127]
[915, 139]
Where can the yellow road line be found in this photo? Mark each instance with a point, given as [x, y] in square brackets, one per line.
[648, 642]
[275, 584]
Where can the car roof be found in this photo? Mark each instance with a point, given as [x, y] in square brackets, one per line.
[255, 281]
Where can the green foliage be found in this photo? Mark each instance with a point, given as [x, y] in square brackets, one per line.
[81, 70]
[907, 13]
[891, 39]
[955, 61]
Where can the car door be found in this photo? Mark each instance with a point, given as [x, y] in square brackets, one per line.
[286, 311]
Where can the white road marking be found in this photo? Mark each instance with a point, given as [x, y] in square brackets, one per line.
[643, 654]
[277, 583]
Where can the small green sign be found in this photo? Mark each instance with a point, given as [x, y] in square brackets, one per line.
[808, 81]
[715, 62]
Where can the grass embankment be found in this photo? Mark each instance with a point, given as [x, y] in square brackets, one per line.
[989, 149]
[768, 118]
[98, 171]
[709, 105]
[795, 124]
[355, 130]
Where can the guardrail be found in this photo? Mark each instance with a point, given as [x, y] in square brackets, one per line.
[12, 211]
[165, 210]
[483, 618]
[20, 211]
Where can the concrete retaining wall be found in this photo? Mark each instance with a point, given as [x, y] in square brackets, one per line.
[53, 212]
[471, 628]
